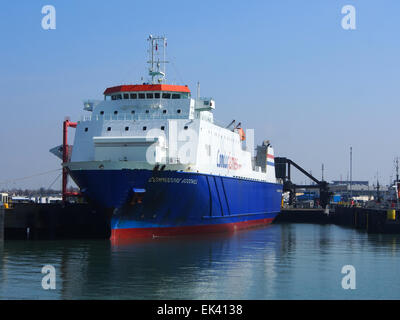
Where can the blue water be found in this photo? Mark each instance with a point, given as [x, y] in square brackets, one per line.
[288, 261]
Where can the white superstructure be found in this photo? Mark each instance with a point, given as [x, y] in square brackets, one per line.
[156, 124]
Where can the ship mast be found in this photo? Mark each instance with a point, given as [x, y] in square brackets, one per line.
[157, 46]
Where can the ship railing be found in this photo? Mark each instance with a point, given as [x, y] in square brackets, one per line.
[128, 117]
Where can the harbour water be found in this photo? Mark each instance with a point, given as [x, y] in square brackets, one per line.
[282, 261]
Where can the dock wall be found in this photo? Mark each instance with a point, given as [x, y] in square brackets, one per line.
[2, 223]
[56, 221]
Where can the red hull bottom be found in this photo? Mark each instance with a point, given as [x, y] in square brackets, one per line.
[133, 233]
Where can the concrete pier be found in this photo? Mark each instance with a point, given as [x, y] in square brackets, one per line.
[33, 221]
[299, 215]
[373, 220]
[2, 223]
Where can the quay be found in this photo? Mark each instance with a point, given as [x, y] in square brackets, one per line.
[1, 223]
[373, 220]
[303, 215]
[50, 221]
[37, 221]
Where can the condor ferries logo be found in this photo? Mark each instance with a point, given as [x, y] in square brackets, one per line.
[227, 161]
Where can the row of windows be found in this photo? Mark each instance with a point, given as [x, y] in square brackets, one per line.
[151, 95]
[147, 111]
[144, 128]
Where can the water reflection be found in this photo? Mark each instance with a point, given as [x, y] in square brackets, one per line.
[285, 261]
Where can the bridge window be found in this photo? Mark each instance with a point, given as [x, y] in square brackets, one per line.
[157, 95]
[149, 95]
[133, 96]
[116, 97]
[176, 96]
[166, 95]
[126, 95]
[141, 96]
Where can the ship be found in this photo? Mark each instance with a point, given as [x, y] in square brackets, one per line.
[153, 155]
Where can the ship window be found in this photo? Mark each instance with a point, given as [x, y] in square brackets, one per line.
[126, 128]
[109, 129]
[166, 96]
[115, 112]
[147, 111]
[141, 96]
[162, 128]
[133, 111]
[178, 111]
[164, 111]
[101, 112]
[86, 129]
[126, 95]
[133, 95]
[116, 97]
[149, 95]
[144, 128]
[185, 127]
[157, 95]
[176, 96]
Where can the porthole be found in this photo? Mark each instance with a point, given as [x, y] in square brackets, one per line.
[144, 128]
[115, 112]
[126, 128]
[147, 111]
[178, 111]
[185, 127]
[133, 111]
[164, 111]
[109, 129]
[86, 129]
[162, 128]
[101, 112]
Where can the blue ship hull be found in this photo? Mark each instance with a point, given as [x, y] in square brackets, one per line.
[162, 203]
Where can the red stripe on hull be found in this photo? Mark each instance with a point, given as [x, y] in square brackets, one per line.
[132, 233]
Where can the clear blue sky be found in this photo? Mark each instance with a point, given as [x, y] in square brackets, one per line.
[285, 68]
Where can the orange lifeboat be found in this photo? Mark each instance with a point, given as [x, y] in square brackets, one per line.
[241, 134]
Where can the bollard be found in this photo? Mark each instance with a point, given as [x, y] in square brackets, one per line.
[391, 214]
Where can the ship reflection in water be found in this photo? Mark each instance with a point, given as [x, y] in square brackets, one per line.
[276, 262]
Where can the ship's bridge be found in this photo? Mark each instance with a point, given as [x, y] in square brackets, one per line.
[147, 91]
